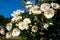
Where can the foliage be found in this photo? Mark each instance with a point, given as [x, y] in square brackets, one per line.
[3, 20]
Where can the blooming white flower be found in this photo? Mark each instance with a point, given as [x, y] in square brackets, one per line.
[17, 13]
[15, 19]
[22, 25]
[28, 2]
[46, 25]
[34, 29]
[2, 31]
[55, 5]
[29, 5]
[49, 13]
[15, 32]
[45, 6]
[27, 20]
[8, 35]
[35, 10]
[32, 9]
[9, 26]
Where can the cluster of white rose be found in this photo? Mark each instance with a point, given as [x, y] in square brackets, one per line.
[16, 16]
[21, 25]
[46, 9]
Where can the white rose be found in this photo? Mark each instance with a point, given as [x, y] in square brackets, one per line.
[9, 26]
[46, 25]
[27, 20]
[17, 13]
[49, 13]
[34, 29]
[45, 6]
[55, 5]
[8, 35]
[2, 31]
[15, 32]
[22, 25]
[15, 19]
[35, 10]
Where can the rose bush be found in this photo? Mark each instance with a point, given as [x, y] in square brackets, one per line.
[34, 25]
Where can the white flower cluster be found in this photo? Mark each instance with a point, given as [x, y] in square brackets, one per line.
[21, 25]
[46, 9]
[16, 16]
[12, 33]
[24, 25]
[15, 31]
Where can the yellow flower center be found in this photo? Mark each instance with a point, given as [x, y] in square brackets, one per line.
[44, 7]
[15, 31]
[54, 6]
[22, 25]
[48, 12]
[34, 28]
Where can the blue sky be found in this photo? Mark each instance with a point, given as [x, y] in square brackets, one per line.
[8, 6]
